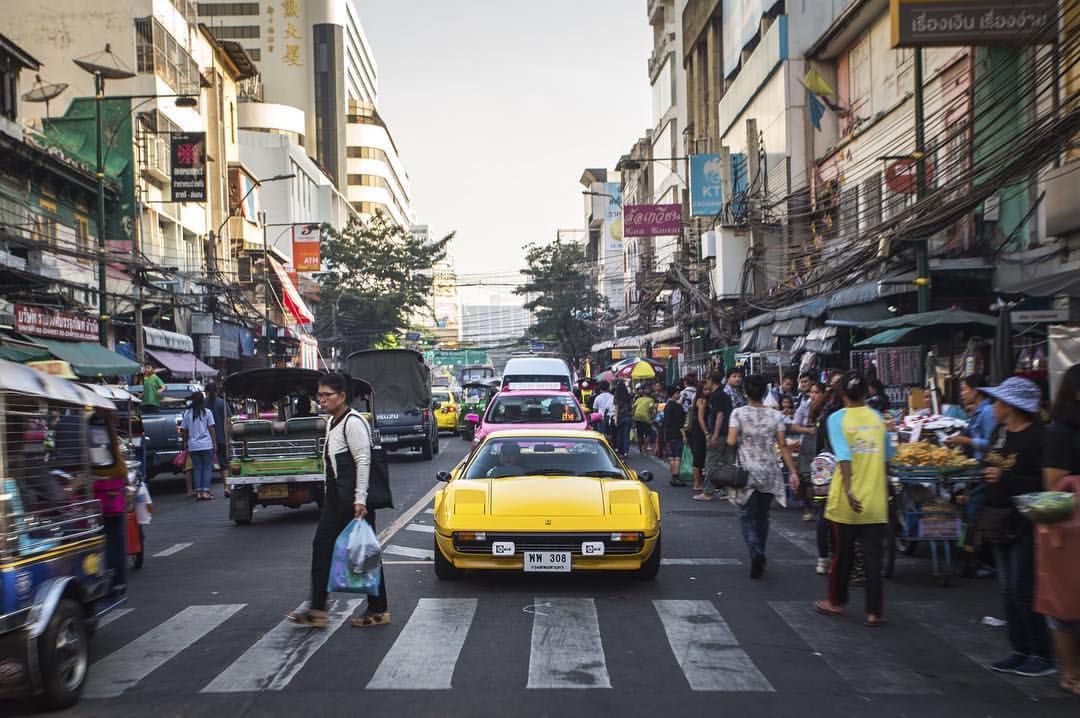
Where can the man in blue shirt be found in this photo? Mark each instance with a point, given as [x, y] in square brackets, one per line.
[982, 423]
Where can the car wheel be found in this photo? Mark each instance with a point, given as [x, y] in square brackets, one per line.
[65, 655]
[241, 506]
[425, 451]
[651, 567]
[435, 446]
[445, 570]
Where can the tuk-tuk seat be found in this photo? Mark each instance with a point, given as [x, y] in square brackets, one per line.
[306, 425]
[253, 427]
[278, 427]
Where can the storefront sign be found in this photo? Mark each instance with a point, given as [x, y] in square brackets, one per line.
[652, 220]
[613, 220]
[42, 322]
[951, 23]
[305, 248]
[706, 185]
[188, 175]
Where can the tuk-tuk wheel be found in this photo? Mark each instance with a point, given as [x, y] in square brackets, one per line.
[65, 654]
[241, 506]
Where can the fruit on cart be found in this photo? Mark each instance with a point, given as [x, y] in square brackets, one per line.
[922, 453]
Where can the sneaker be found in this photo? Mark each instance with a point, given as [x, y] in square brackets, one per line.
[822, 566]
[1035, 666]
[807, 515]
[1010, 664]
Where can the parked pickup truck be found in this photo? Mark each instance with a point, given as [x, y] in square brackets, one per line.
[161, 427]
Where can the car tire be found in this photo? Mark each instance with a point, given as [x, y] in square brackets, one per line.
[444, 569]
[651, 567]
[241, 506]
[64, 648]
[425, 451]
[435, 446]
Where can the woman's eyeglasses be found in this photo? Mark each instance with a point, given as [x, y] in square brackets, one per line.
[327, 394]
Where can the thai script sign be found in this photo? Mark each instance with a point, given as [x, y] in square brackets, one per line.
[652, 220]
[188, 175]
[42, 322]
[948, 23]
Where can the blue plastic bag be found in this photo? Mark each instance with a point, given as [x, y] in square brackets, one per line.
[357, 563]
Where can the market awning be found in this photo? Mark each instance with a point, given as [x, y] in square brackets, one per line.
[21, 355]
[889, 337]
[170, 341]
[181, 364]
[1066, 282]
[88, 359]
[290, 297]
[938, 318]
[820, 340]
[790, 328]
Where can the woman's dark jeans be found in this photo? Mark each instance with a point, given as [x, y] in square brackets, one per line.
[1015, 563]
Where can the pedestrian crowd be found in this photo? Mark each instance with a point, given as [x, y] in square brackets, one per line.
[734, 436]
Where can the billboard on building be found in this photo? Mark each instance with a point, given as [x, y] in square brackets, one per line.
[305, 248]
[652, 220]
[951, 23]
[613, 220]
[187, 176]
[42, 322]
[706, 185]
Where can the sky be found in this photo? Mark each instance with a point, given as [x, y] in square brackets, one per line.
[497, 107]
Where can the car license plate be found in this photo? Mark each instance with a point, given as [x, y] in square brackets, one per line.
[547, 561]
[389, 438]
[273, 491]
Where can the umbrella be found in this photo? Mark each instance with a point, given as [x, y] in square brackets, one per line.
[606, 375]
[1001, 357]
[642, 370]
[638, 368]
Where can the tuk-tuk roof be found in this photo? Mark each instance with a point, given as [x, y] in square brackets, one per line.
[20, 379]
[481, 384]
[273, 383]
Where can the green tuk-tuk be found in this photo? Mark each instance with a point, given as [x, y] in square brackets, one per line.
[276, 438]
[475, 396]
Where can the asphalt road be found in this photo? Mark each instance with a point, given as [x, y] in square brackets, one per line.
[203, 632]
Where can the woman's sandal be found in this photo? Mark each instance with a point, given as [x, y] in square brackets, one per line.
[309, 618]
[1069, 686]
[371, 619]
[827, 609]
[874, 620]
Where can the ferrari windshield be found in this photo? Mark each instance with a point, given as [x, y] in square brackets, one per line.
[533, 409]
[538, 456]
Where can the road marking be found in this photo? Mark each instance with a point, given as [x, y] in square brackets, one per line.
[429, 510]
[175, 548]
[566, 649]
[981, 645]
[421, 528]
[426, 651]
[700, 562]
[706, 649]
[125, 667]
[806, 541]
[423, 553]
[113, 615]
[851, 650]
[275, 659]
[387, 533]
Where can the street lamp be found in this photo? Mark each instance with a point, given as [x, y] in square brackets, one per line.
[105, 65]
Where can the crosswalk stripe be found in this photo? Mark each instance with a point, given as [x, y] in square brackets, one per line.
[113, 615]
[409, 552]
[175, 548]
[422, 528]
[851, 650]
[700, 562]
[429, 510]
[275, 659]
[706, 649]
[804, 540]
[566, 650]
[931, 615]
[125, 667]
[426, 651]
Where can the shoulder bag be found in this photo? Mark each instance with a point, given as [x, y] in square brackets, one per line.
[729, 474]
[378, 493]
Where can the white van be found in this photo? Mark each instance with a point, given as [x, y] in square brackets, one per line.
[537, 373]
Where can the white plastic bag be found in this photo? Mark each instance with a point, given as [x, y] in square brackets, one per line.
[357, 562]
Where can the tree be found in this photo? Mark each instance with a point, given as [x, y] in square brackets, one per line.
[376, 275]
[565, 304]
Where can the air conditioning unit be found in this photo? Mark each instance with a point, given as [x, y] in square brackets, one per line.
[708, 244]
[732, 247]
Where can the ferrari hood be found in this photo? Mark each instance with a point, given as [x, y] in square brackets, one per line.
[547, 496]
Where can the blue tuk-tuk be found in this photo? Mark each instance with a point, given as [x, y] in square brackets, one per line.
[62, 559]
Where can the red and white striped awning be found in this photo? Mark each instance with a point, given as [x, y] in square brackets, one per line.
[290, 296]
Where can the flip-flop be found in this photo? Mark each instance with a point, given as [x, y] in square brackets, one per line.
[676, 482]
[308, 618]
[873, 621]
[826, 609]
[371, 619]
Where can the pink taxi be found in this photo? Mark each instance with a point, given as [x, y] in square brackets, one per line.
[530, 409]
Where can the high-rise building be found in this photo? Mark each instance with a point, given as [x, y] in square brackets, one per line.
[314, 56]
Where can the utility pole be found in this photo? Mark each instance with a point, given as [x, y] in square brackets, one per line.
[266, 291]
[922, 244]
[103, 310]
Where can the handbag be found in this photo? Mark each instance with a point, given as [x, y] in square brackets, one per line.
[997, 524]
[729, 475]
[180, 460]
[378, 493]
[1057, 554]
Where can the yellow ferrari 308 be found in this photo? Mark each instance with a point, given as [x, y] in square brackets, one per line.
[546, 501]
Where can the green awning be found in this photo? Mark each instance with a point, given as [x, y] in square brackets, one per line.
[21, 355]
[90, 360]
[886, 338]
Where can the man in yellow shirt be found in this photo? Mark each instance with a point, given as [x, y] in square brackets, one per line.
[857, 506]
[644, 413]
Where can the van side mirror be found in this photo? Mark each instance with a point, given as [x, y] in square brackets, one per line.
[442, 476]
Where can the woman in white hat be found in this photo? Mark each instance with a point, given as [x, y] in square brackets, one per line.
[1014, 466]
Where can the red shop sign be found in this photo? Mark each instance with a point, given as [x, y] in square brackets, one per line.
[42, 322]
